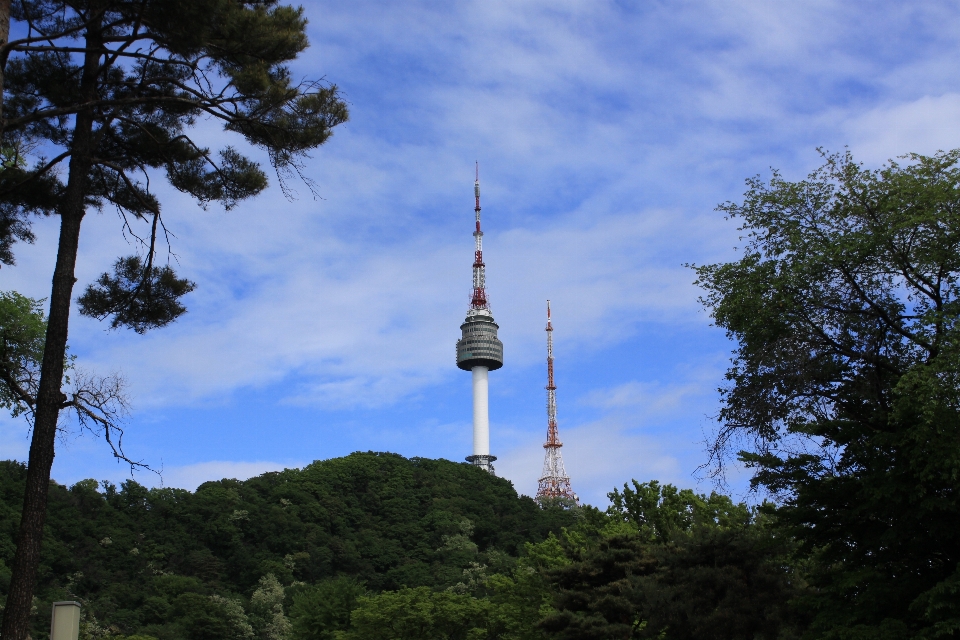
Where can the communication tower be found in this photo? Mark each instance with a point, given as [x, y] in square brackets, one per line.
[554, 485]
[479, 350]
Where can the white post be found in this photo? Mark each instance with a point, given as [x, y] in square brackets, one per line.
[65, 621]
[481, 413]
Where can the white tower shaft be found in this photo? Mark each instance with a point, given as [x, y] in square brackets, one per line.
[481, 412]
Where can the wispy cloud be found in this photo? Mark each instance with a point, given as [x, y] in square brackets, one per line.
[650, 397]
[598, 456]
[368, 330]
[925, 125]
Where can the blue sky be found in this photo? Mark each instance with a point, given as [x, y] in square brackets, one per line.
[606, 133]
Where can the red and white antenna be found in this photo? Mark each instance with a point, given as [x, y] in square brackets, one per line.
[479, 298]
[554, 486]
[553, 438]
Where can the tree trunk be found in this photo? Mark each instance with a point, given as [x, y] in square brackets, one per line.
[4, 38]
[50, 397]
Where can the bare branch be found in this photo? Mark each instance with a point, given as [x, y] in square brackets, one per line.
[101, 405]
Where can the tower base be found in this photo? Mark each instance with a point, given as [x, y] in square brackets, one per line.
[483, 461]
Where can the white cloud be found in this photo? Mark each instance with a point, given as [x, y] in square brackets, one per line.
[925, 125]
[650, 397]
[367, 330]
[598, 457]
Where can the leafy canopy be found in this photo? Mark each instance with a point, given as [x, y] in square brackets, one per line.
[23, 329]
[378, 546]
[659, 512]
[844, 389]
[669, 563]
[296, 549]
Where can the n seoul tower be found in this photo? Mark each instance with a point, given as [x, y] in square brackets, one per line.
[479, 350]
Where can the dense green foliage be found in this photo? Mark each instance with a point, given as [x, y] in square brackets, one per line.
[22, 331]
[376, 546]
[674, 564]
[846, 383]
[150, 560]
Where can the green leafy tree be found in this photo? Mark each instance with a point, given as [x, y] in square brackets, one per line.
[671, 563]
[129, 552]
[211, 618]
[660, 511]
[524, 596]
[844, 390]
[266, 610]
[598, 593]
[723, 583]
[414, 614]
[109, 90]
[22, 331]
[320, 611]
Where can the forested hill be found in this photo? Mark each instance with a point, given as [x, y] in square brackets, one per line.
[130, 552]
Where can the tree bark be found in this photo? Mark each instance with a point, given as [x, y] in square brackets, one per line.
[50, 397]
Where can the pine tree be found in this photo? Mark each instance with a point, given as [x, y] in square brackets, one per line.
[109, 91]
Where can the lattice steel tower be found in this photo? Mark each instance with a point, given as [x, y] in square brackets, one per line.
[554, 481]
[479, 350]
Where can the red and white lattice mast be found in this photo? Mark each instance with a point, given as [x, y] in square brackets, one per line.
[554, 485]
[479, 298]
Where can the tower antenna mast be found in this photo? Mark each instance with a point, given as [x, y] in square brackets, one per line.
[479, 298]
[554, 486]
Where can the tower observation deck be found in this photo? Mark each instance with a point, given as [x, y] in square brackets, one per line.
[479, 350]
[479, 345]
